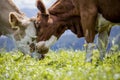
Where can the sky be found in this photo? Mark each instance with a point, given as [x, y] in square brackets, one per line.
[31, 3]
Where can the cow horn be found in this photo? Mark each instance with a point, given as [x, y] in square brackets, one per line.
[41, 6]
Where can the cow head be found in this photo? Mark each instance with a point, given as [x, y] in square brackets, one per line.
[45, 31]
[42, 21]
[25, 32]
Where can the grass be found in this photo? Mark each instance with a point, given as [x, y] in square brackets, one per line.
[60, 65]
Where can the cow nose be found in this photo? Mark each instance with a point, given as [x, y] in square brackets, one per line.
[33, 39]
[28, 43]
[41, 47]
[32, 47]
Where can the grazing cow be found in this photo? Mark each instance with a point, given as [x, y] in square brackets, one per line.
[16, 25]
[63, 12]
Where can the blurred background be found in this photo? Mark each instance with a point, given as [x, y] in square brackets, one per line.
[67, 41]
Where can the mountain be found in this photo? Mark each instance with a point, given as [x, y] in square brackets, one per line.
[6, 43]
[69, 41]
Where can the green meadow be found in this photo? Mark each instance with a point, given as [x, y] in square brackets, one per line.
[59, 65]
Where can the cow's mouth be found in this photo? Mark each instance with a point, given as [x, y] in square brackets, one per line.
[42, 47]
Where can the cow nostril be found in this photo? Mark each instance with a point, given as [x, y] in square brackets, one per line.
[32, 47]
[33, 39]
[28, 43]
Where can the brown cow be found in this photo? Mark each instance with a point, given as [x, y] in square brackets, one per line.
[87, 12]
[23, 29]
[64, 9]
[74, 25]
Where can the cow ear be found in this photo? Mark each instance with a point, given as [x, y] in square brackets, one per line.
[41, 6]
[14, 19]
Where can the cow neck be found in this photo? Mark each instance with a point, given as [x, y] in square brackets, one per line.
[53, 21]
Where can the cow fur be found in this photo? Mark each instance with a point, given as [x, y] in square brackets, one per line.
[6, 6]
[15, 24]
[80, 16]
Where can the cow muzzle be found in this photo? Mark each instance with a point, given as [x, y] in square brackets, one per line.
[42, 47]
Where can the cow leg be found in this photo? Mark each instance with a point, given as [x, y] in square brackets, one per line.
[102, 43]
[89, 51]
[104, 28]
[103, 38]
[88, 20]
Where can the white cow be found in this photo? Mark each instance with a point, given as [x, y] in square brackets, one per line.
[16, 25]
